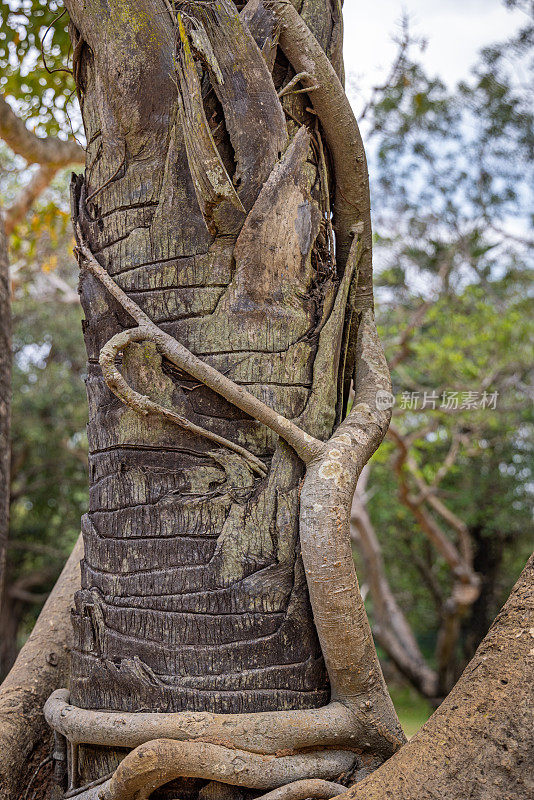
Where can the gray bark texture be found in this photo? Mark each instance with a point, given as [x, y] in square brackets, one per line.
[213, 217]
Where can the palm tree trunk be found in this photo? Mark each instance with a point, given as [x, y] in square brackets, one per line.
[193, 591]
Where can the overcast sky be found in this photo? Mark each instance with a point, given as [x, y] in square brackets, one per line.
[455, 30]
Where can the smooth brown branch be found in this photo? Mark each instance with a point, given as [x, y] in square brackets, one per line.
[306, 446]
[261, 732]
[34, 149]
[143, 404]
[42, 665]
[427, 489]
[326, 497]
[461, 568]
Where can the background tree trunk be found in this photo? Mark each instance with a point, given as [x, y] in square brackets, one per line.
[193, 591]
[5, 397]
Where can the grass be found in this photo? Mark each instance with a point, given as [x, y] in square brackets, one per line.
[413, 710]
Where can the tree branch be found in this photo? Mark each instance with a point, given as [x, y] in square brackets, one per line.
[442, 543]
[28, 195]
[49, 150]
[466, 586]
[391, 627]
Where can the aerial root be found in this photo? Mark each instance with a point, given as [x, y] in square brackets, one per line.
[266, 732]
[162, 760]
[159, 761]
[310, 787]
[143, 404]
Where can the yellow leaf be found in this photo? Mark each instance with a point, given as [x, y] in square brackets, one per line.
[50, 264]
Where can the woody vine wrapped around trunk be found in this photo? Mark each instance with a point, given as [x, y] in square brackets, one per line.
[240, 376]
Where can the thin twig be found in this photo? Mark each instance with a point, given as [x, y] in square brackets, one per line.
[47, 68]
[287, 89]
[43, 763]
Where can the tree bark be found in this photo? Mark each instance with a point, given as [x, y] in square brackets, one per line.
[42, 666]
[193, 590]
[479, 743]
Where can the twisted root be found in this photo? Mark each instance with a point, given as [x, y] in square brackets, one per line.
[266, 732]
[151, 765]
[143, 404]
[299, 790]
[155, 763]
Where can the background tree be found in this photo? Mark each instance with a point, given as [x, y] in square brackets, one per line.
[40, 94]
[48, 454]
[453, 226]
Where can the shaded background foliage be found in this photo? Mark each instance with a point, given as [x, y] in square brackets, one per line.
[452, 199]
